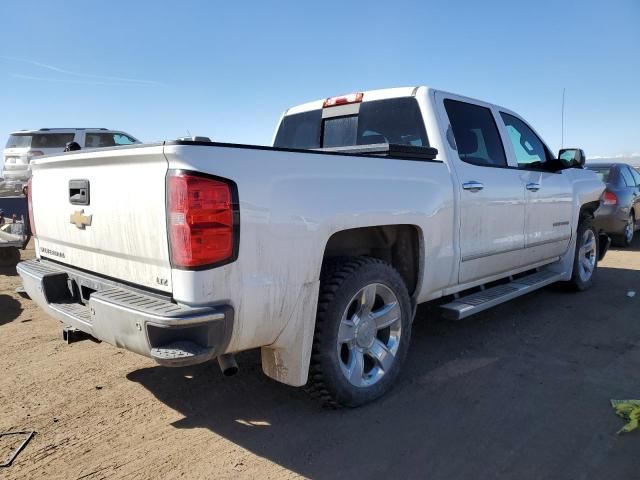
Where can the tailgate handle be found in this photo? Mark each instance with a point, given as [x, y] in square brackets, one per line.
[79, 192]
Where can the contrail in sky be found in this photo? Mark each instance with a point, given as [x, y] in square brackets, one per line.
[102, 79]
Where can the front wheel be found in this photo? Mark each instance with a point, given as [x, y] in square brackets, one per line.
[362, 333]
[585, 260]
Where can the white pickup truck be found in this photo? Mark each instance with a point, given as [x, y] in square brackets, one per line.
[318, 249]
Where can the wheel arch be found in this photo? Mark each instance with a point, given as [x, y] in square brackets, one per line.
[400, 245]
[589, 209]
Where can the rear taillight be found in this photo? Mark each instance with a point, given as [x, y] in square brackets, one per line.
[202, 220]
[345, 100]
[609, 198]
[32, 223]
[34, 153]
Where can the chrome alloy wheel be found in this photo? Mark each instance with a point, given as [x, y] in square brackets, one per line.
[369, 335]
[587, 255]
[629, 229]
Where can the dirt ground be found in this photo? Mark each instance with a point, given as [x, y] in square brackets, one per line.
[521, 391]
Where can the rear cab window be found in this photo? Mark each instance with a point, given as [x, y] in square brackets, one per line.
[394, 120]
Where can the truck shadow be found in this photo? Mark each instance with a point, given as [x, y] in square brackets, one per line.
[10, 309]
[8, 270]
[634, 247]
[483, 398]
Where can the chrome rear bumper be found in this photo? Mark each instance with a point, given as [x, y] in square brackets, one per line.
[171, 334]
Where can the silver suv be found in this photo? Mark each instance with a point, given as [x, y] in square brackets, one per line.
[25, 145]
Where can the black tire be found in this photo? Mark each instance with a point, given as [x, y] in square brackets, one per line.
[578, 282]
[341, 280]
[622, 240]
[9, 256]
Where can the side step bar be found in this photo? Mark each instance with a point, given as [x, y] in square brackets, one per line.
[463, 307]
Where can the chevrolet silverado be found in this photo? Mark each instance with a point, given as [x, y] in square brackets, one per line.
[316, 250]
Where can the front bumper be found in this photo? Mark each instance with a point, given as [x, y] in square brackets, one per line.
[171, 334]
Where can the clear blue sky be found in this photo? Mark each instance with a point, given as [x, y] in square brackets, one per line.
[228, 69]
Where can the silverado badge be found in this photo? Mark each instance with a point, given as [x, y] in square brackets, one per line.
[80, 220]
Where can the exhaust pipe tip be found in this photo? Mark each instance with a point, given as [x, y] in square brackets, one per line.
[228, 364]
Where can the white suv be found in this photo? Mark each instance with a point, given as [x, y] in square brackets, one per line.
[25, 145]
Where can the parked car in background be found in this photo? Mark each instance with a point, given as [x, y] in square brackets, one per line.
[619, 214]
[14, 225]
[25, 145]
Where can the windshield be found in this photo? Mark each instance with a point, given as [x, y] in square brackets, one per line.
[39, 140]
[396, 120]
[604, 173]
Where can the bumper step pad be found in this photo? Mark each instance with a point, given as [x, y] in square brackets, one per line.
[180, 351]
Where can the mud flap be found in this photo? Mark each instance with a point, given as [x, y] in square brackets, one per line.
[287, 359]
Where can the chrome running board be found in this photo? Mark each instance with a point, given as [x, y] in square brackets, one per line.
[463, 307]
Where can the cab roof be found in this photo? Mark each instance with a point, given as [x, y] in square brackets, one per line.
[387, 93]
[369, 95]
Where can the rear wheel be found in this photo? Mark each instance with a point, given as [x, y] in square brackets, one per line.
[362, 333]
[626, 238]
[586, 256]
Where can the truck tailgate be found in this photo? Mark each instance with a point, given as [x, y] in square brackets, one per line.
[120, 230]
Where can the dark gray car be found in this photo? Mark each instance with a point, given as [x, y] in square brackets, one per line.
[619, 214]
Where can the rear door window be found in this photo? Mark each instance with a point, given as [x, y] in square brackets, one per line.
[636, 176]
[51, 140]
[627, 177]
[476, 134]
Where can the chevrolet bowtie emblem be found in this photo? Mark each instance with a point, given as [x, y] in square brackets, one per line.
[80, 220]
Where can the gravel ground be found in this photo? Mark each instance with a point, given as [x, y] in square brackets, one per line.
[521, 391]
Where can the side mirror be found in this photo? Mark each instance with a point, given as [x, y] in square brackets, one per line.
[572, 157]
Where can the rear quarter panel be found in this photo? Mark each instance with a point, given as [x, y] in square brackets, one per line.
[290, 205]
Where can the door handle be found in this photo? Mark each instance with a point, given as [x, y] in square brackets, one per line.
[533, 187]
[79, 192]
[473, 186]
